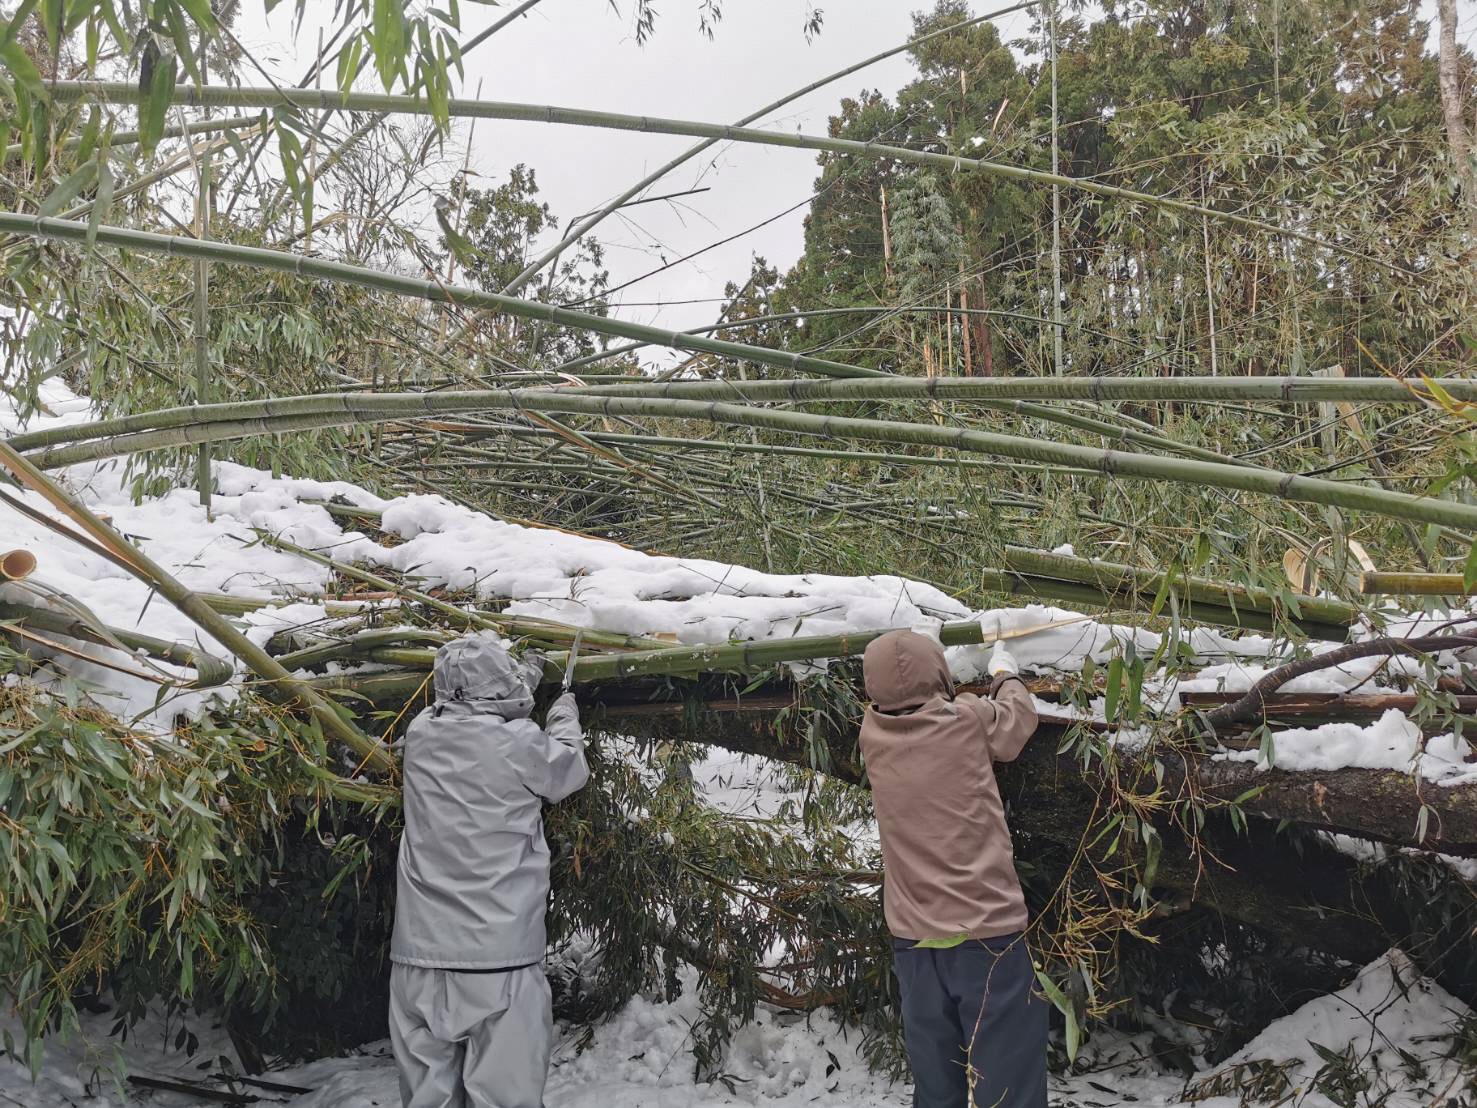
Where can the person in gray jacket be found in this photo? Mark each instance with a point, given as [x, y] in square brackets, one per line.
[470, 1015]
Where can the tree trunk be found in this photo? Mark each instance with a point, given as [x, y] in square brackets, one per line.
[1312, 895]
[1452, 105]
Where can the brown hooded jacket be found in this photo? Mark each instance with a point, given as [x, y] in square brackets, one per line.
[949, 869]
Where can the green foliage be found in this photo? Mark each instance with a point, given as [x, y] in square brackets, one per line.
[170, 866]
[499, 228]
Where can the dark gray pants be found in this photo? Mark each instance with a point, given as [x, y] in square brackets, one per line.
[974, 1024]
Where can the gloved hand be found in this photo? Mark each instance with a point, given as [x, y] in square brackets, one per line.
[567, 702]
[1001, 663]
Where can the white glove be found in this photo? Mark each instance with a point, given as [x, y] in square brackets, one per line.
[1001, 662]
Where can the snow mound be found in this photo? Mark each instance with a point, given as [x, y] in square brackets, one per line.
[1392, 1024]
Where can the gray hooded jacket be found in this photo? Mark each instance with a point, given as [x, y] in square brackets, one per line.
[473, 880]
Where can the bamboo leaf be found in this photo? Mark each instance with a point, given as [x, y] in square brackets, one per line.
[70, 188]
[156, 105]
[388, 40]
[16, 22]
[1064, 1006]
[1469, 570]
[102, 200]
[52, 12]
[87, 141]
[1114, 688]
[22, 68]
[115, 25]
[200, 12]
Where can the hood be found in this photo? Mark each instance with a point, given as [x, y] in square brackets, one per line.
[903, 669]
[479, 669]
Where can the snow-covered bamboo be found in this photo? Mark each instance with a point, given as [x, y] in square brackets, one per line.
[277, 683]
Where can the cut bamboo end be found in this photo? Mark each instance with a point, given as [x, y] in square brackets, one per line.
[16, 564]
[1413, 584]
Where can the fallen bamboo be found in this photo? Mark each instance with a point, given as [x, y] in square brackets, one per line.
[277, 683]
[1012, 583]
[243, 605]
[210, 671]
[1414, 584]
[1328, 707]
[17, 564]
[1280, 391]
[1116, 577]
[736, 657]
[1252, 703]
[194, 424]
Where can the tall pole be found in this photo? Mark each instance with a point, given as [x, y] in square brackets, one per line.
[202, 311]
[1056, 207]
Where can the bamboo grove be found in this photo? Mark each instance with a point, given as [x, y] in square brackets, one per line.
[1249, 407]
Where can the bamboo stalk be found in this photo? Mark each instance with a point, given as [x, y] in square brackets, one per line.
[16, 564]
[1086, 595]
[1274, 390]
[362, 645]
[872, 457]
[181, 426]
[433, 290]
[120, 92]
[1282, 390]
[277, 683]
[1114, 577]
[201, 314]
[129, 138]
[210, 671]
[1414, 584]
[736, 657]
[1329, 706]
[242, 605]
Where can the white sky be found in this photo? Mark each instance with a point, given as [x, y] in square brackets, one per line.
[582, 53]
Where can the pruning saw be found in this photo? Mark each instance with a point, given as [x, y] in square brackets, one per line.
[574, 649]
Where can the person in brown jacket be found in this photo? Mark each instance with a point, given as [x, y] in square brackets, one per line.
[974, 1025]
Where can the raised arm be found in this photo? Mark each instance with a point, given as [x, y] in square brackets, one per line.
[1007, 716]
[562, 769]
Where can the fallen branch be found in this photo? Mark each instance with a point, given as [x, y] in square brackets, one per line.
[210, 671]
[1252, 703]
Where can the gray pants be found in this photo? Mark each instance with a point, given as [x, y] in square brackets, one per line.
[471, 1040]
[974, 1025]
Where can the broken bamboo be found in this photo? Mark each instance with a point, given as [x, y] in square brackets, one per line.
[1414, 584]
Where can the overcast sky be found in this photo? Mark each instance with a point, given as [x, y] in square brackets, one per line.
[582, 53]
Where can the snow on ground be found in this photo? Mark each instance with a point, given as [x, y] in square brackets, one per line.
[640, 1059]
[1389, 1016]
